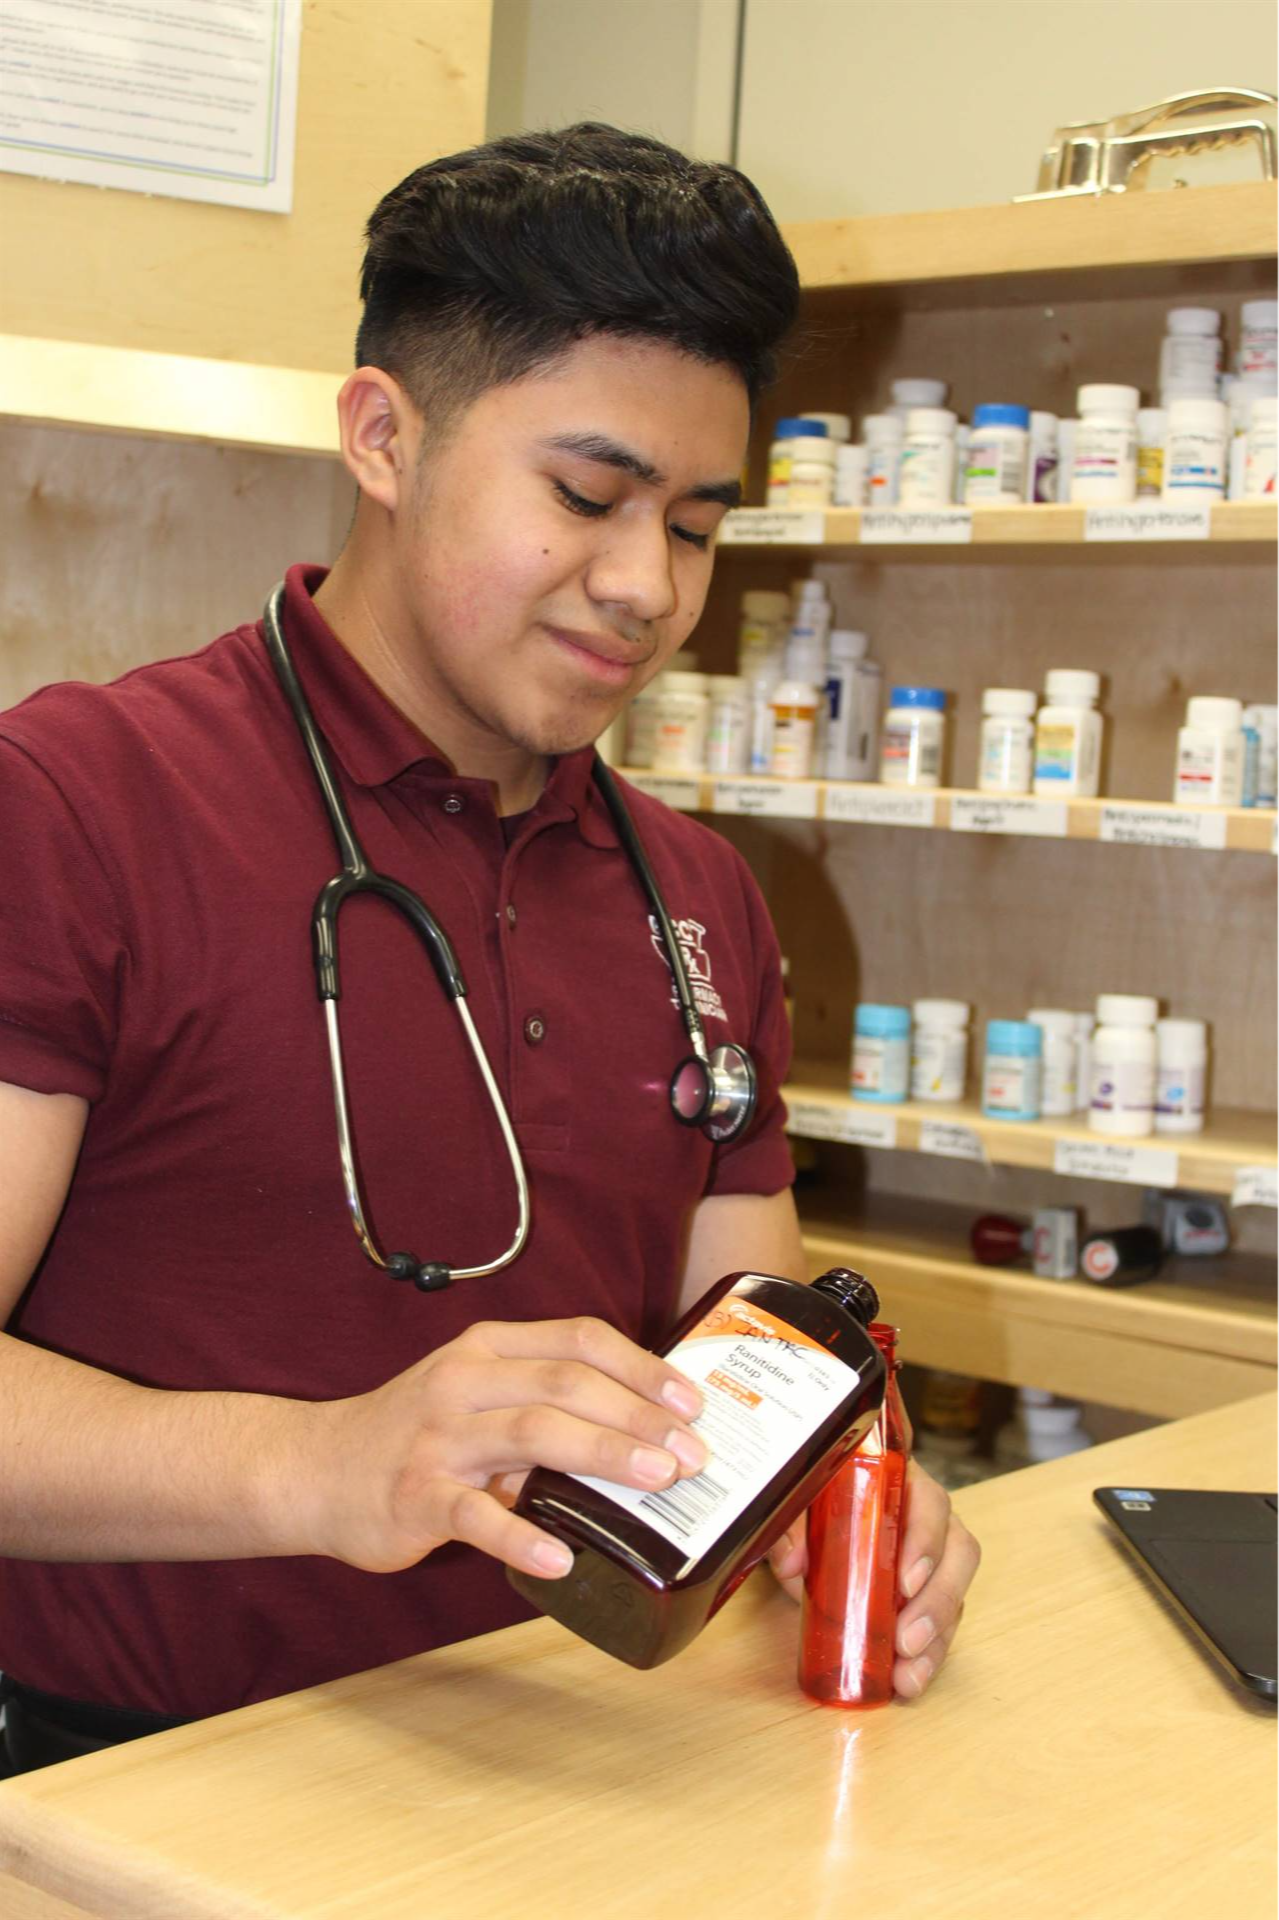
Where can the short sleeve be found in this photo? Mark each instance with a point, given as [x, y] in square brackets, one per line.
[61, 949]
[760, 1161]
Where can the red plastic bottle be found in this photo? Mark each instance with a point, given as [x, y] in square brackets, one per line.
[848, 1626]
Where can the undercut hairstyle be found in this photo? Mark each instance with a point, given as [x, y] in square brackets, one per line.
[488, 266]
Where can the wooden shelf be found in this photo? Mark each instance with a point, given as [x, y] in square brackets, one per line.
[754, 529]
[960, 810]
[1200, 1336]
[821, 1108]
[168, 396]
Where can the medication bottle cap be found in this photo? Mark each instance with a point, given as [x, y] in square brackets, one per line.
[1201, 320]
[919, 393]
[941, 1013]
[808, 589]
[675, 681]
[931, 698]
[882, 1022]
[1218, 714]
[1084, 1024]
[1044, 424]
[998, 414]
[1013, 1036]
[1260, 313]
[1053, 1020]
[761, 604]
[793, 428]
[1126, 1010]
[1197, 411]
[727, 686]
[1152, 423]
[838, 425]
[1072, 686]
[930, 420]
[1106, 399]
[818, 453]
[881, 426]
[1182, 1035]
[852, 1290]
[1014, 701]
[847, 645]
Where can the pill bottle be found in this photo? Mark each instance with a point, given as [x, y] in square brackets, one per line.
[881, 1053]
[1258, 332]
[882, 434]
[1007, 758]
[1105, 468]
[1013, 1070]
[786, 434]
[1122, 1098]
[1152, 428]
[1259, 463]
[910, 747]
[763, 628]
[812, 474]
[963, 435]
[1068, 735]
[791, 1382]
[641, 724]
[796, 702]
[927, 473]
[917, 393]
[1085, 1025]
[850, 475]
[851, 734]
[998, 454]
[1264, 722]
[1059, 1088]
[683, 709]
[1067, 433]
[1041, 460]
[1181, 1073]
[1210, 753]
[848, 1618]
[1196, 454]
[839, 426]
[939, 1049]
[1191, 350]
[728, 724]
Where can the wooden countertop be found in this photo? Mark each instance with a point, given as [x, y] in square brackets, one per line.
[1078, 1755]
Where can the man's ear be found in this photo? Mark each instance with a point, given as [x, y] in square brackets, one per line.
[380, 431]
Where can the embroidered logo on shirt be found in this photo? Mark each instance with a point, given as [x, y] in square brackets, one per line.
[691, 935]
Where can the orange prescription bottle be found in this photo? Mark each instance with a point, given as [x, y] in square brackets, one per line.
[848, 1625]
[791, 1382]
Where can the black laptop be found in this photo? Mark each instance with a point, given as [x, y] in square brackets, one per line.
[1214, 1556]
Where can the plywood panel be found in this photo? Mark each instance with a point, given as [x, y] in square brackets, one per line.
[382, 90]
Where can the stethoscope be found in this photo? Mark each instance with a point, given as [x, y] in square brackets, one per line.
[714, 1090]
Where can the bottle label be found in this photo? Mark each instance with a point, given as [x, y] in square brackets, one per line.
[881, 1064]
[1057, 751]
[1122, 1086]
[1179, 1091]
[909, 756]
[767, 1388]
[1150, 472]
[1012, 1083]
[937, 1063]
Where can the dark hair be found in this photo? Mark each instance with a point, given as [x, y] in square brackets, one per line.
[487, 265]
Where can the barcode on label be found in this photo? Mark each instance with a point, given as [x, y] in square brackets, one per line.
[688, 1504]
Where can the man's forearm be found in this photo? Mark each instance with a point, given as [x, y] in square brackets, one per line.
[95, 1468]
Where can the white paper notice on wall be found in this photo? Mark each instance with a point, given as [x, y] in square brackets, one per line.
[917, 527]
[772, 527]
[855, 1126]
[951, 1141]
[995, 813]
[1116, 1160]
[679, 790]
[1148, 520]
[766, 799]
[1256, 1187]
[881, 806]
[1125, 825]
[196, 102]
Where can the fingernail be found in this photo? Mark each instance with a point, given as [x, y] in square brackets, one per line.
[683, 1398]
[552, 1558]
[648, 1464]
[918, 1635]
[920, 1672]
[916, 1577]
[687, 1448]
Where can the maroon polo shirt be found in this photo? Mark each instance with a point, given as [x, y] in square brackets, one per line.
[163, 844]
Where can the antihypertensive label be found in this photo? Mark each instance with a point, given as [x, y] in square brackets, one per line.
[772, 527]
[1137, 826]
[1148, 522]
[998, 813]
[864, 1126]
[678, 790]
[917, 527]
[1116, 1160]
[766, 799]
[881, 806]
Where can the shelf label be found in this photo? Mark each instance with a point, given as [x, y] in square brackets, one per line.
[681, 791]
[881, 806]
[766, 799]
[1256, 1187]
[917, 527]
[855, 1126]
[1136, 826]
[772, 527]
[997, 813]
[1148, 521]
[1115, 1160]
[951, 1141]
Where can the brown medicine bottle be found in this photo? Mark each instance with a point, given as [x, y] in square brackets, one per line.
[791, 1382]
[848, 1627]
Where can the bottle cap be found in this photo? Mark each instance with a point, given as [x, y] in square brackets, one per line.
[1126, 1010]
[1152, 424]
[821, 452]
[847, 645]
[1260, 314]
[1219, 715]
[999, 414]
[919, 393]
[1054, 1021]
[1072, 687]
[882, 1022]
[795, 428]
[881, 426]
[930, 420]
[760, 604]
[1043, 424]
[838, 425]
[675, 680]
[931, 698]
[727, 686]
[852, 1290]
[1197, 411]
[1016, 702]
[1106, 399]
[1200, 320]
[941, 1013]
[1182, 1036]
[1013, 1036]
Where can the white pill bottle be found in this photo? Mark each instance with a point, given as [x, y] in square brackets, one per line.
[1105, 460]
[1124, 1061]
[1068, 736]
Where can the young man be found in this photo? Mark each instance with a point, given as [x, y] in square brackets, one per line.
[239, 1458]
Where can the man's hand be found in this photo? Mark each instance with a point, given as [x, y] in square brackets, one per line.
[437, 1453]
[938, 1560]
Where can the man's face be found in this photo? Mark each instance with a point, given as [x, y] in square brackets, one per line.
[556, 549]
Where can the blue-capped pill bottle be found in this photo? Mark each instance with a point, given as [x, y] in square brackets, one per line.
[913, 736]
[1013, 1074]
[881, 1053]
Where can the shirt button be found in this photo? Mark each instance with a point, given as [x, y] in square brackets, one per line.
[453, 803]
[510, 914]
[534, 1030]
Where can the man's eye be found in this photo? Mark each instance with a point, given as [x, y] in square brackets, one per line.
[699, 540]
[592, 509]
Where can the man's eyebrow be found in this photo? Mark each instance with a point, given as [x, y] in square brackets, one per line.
[611, 453]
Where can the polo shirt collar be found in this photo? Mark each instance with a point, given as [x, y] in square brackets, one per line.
[375, 743]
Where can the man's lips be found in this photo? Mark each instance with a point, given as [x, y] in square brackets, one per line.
[606, 654]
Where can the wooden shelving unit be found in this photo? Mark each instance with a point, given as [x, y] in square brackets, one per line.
[1238, 522]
